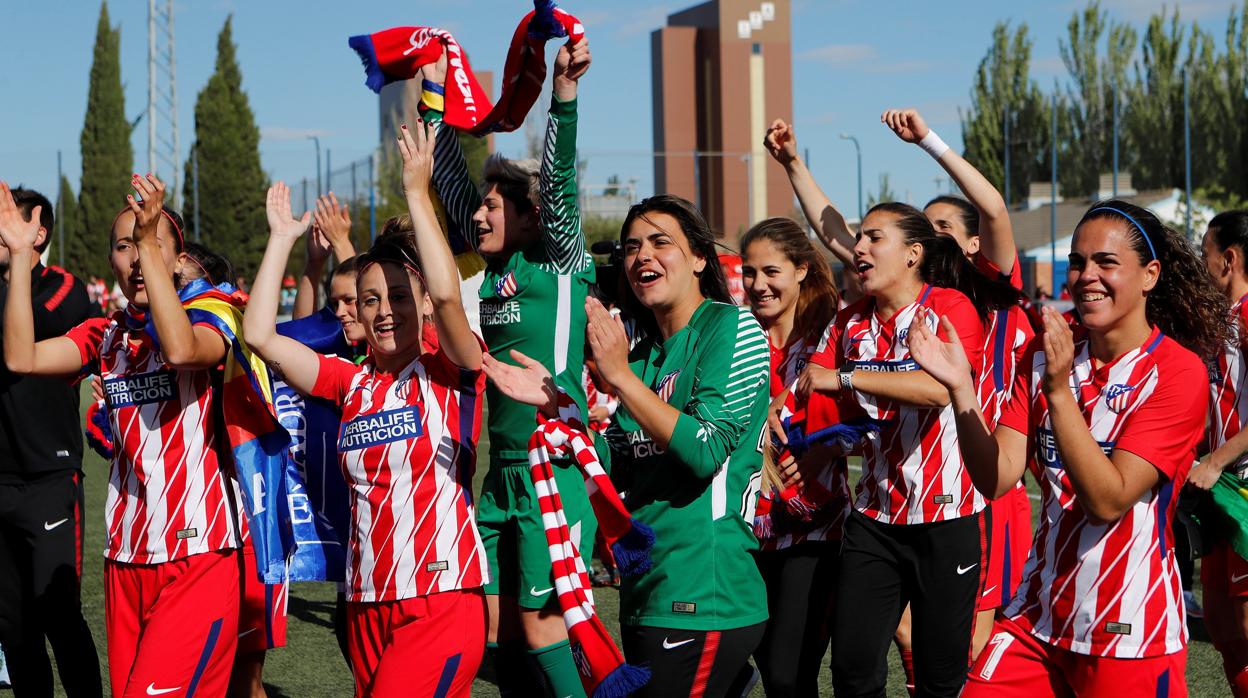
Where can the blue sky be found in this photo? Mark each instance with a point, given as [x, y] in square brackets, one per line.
[852, 60]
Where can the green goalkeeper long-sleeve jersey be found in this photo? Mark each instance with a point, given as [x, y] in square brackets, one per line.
[532, 300]
[699, 494]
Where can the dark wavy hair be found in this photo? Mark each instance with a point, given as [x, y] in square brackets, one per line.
[1183, 304]
[818, 299]
[967, 211]
[217, 267]
[944, 263]
[1230, 229]
[711, 281]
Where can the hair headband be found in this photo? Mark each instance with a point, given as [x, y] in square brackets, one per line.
[378, 253]
[176, 230]
[1138, 227]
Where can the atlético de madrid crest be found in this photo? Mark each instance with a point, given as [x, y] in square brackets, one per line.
[1117, 396]
[666, 385]
[506, 287]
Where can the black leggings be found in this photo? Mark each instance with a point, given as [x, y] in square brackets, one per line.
[934, 567]
[710, 663]
[801, 582]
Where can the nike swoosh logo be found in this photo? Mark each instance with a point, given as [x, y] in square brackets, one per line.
[153, 691]
[49, 526]
[964, 570]
[1236, 578]
[534, 591]
[673, 645]
[988, 592]
[246, 632]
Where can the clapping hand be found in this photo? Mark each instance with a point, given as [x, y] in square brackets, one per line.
[282, 223]
[529, 383]
[416, 147]
[944, 361]
[16, 232]
[331, 229]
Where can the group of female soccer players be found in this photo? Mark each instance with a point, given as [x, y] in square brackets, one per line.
[755, 553]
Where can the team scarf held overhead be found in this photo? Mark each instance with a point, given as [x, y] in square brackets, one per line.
[599, 662]
[396, 54]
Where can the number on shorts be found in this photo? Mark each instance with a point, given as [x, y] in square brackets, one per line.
[998, 644]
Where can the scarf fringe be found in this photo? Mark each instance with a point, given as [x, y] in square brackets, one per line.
[632, 550]
[622, 681]
[374, 78]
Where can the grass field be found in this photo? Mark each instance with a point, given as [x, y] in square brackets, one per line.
[311, 666]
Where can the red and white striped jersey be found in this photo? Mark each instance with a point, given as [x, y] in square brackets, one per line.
[168, 496]
[408, 450]
[787, 364]
[913, 473]
[1111, 590]
[1228, 387]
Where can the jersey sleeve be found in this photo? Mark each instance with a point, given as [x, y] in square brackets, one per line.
[1165, 430]
[560, 215]
[459, 197]
[333, 378]
[731, 374]
[88, 336]
[826, 354]
[1016, 412]
[989, 269]
[60, 305]
[965, 320]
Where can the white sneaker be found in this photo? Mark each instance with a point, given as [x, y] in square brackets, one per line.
[1192, 605]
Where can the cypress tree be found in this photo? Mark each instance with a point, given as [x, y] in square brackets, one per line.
[231, 183]
[77, 254]
[107, 157]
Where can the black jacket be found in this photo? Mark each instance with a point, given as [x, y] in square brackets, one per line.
[40, 425]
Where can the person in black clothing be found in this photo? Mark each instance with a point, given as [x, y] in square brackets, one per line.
[41, 495]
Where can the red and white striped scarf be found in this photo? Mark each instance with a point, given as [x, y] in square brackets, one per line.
[599, 662]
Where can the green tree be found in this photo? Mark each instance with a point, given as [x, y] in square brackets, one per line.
[77, 254]
[231, 183]
[1087, 146]
[1155, 119]
[884, 193]
[1002, 89]
[107, 157]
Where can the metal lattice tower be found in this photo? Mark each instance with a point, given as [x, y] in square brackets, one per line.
[162, 96]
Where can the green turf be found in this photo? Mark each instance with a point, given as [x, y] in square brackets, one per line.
[311, 665]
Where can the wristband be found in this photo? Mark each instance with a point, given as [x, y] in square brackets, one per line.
[433, 100]
[430, 86]
[846, 374]
[933, 145]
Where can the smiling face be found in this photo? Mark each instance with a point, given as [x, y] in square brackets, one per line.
[882, 258]
[342, 301]
[772, 282]
[947, 219]
[391, 306]
[124, 256]
[1107, 279]
[501, 226]
[660, 266]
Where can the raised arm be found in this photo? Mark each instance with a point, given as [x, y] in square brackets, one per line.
[996, 236]
[331, 231]
[994, 460]
[184, 345]
[823, 215]
[459, 197]
[560, 215]
[297, 364]
[57, 356]
[437, 262]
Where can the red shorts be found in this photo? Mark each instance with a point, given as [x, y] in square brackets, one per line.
[1009, 542]
[1224, 572]
[172, 627]
[262, 616]
[423, 646]
[1016, 664]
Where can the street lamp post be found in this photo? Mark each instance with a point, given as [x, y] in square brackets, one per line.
[317, 140]
[858, 150]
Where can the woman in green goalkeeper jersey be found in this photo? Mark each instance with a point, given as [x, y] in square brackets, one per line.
[693, 394]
